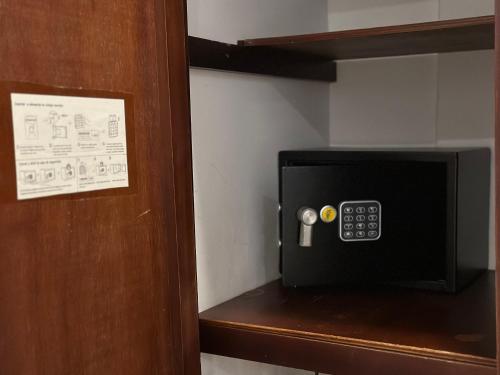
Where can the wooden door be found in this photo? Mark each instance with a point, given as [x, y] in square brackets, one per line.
[497, 168]
[101, 282]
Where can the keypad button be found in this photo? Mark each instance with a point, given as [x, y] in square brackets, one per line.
[348, 226]
[348, 234]
[360, 226]
[372, 233]
[372, 209]
[372, 226]
[349, 218]
[348, 210]
[360, 234]
[360, 218]
[372, 217]
[360, 210]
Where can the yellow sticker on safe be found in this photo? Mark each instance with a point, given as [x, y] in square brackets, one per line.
[328, 214]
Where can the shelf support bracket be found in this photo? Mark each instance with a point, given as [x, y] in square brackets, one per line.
[208, 54]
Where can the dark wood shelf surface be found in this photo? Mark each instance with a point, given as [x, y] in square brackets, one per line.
[330, 330]
[313, 56]
[466, 34]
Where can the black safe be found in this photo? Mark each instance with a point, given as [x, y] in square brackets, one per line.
[414, 218]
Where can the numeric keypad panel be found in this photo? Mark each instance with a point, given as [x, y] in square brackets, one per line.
[360, 221]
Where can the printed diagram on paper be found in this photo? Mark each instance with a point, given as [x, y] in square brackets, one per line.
[67, 144]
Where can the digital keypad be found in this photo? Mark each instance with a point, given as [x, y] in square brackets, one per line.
[360, 221]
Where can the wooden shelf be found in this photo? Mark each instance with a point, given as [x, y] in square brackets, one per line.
[466, 34]
[389, 331]
[208, 54]
[313, 56]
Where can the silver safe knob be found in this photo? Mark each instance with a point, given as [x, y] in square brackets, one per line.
[307, 217]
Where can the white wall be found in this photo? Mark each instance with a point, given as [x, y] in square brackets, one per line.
[444, 99]
[388, 101]
[214, 365]
[239, 123]
[449, 9]
[354, 14]
[232, 20]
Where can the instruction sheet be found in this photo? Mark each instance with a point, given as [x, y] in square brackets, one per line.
[68, 144]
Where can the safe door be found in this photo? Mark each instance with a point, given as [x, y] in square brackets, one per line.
[362, 222]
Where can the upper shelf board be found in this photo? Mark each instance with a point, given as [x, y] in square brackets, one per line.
[468, 34]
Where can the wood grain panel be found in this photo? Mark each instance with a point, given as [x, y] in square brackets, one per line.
[175, 79]
[497, 169]
[95, 285]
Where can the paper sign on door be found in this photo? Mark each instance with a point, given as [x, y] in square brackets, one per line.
[68, 144]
